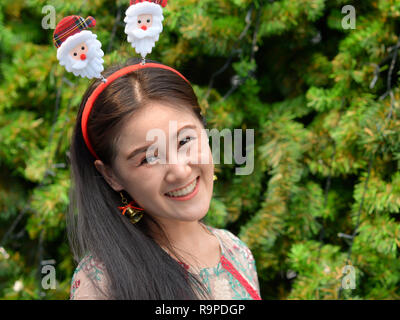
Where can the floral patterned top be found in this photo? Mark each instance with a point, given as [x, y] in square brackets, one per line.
[233, 278]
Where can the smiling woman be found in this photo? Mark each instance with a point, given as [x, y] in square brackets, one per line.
[169, 253]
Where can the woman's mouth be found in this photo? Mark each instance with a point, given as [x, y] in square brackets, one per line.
[186, 193]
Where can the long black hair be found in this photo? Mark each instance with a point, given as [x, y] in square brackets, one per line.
[136, 266]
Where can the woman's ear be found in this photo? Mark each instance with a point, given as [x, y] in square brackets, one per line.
[108, 175]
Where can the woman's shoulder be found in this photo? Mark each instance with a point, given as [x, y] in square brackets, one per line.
[240, 255]
[89, 280]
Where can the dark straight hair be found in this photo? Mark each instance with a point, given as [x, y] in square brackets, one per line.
[136, 267]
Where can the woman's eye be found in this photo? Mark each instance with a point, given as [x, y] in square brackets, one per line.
[146, 161]
[139, 21]
[75, 54]
[181, 143]
[148, 20]
[83, 48]
[184, 140]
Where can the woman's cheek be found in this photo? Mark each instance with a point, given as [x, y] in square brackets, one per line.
[205, 154]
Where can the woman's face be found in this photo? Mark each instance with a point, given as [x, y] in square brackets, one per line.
[170, 166]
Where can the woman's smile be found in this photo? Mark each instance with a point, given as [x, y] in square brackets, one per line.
[185, 193]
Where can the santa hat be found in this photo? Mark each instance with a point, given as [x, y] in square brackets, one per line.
[162, 3]
[69, 29]
[138, 7]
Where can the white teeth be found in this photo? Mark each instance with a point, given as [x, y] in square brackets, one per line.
[183, 192]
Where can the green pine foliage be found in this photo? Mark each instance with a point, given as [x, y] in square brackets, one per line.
[323, 102]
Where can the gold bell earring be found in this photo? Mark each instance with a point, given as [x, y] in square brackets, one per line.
[215, 177]
[133, 212]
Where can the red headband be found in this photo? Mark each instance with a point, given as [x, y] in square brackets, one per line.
[89, 103]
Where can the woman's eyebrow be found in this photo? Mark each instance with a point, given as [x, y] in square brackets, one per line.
[137, 151]
[144, 148]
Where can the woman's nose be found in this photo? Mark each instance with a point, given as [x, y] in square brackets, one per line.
[178, 172]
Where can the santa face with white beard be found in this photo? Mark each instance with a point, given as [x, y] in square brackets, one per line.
[81, 54]
[143, 26]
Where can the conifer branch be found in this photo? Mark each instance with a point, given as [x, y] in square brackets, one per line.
[233, 52]
[389, 91]
[114, 29]
[238, 81]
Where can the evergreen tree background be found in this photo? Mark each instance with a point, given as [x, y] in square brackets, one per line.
[323, 101]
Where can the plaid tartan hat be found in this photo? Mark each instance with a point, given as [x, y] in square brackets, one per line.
[162, 3]
[69, 26]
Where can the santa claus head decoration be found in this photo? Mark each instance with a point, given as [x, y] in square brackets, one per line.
[144, 24]
[78, 48]
[80, 52]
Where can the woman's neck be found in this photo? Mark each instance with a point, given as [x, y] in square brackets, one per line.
[187, 235]
[190, 240]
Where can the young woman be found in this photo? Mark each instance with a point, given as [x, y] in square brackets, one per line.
[165, 251]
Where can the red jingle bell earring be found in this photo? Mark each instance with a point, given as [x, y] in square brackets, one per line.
[133, 212]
